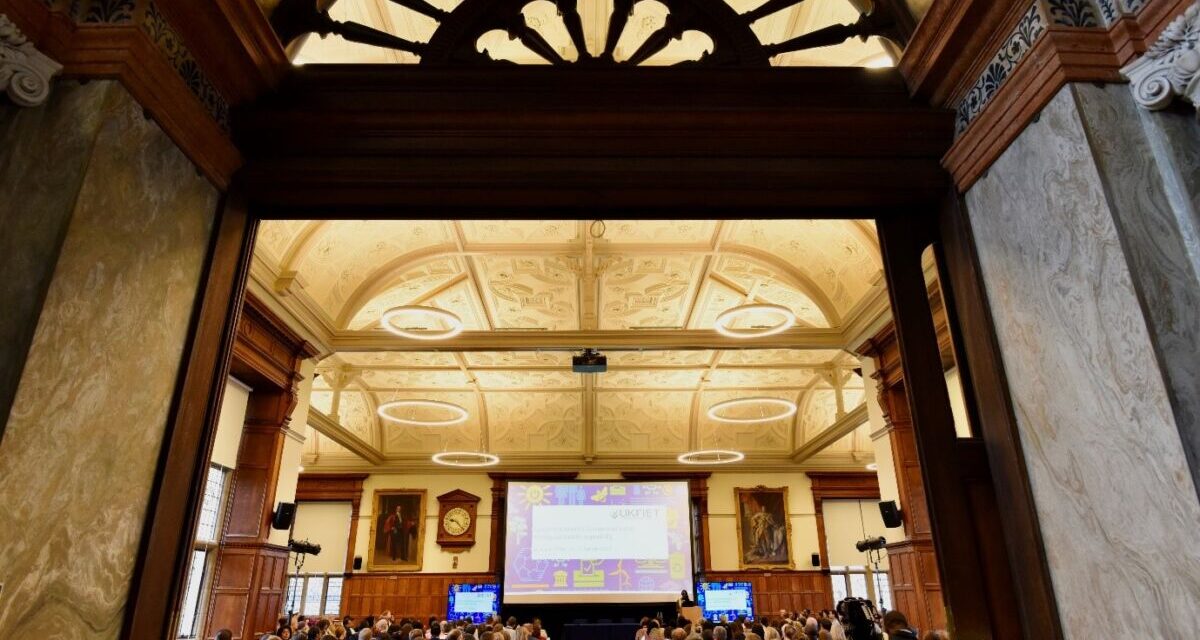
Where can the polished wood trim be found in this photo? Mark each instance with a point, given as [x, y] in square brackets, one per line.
[164, 552]
[126, 53]
[335, 487]
[996, 425]
[777, 589]
[902, 244]
[406, 595]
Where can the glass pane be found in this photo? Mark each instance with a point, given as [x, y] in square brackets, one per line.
[191, 594]
[333, 597]
[210, 509]
[941, 324]
[292, 603]
[839, 588]
[858, 585]
[883, 590]
[312, 596]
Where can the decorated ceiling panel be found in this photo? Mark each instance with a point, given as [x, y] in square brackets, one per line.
[651, 287]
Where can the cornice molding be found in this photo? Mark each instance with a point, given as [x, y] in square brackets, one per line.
[25, 72]
[1171, 67]
[1029, 51]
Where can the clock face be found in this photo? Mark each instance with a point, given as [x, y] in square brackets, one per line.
[456, 521]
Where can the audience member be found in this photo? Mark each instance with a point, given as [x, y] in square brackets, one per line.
[896, 626]
[223, 634]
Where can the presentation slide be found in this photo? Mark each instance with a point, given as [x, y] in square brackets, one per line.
[729, 599]
[474, 601]
[597, 542]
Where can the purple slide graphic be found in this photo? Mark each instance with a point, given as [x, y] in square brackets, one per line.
[597, 542]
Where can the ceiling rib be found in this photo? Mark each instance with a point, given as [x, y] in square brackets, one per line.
[831, 434]
[331, 429]
[611, 340]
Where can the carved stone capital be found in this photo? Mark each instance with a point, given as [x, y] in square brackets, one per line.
[1171, 68]
[25, 72]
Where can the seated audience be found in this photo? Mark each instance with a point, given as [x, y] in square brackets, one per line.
[895, 624]
[223, 634]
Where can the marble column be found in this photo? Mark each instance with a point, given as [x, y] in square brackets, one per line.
[82, 443]
[1066, 223]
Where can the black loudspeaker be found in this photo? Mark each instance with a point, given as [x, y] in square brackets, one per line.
[285, 515]
[892, 517]
[816, 559]
[357, 563]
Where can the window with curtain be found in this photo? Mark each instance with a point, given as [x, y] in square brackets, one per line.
[208, 535]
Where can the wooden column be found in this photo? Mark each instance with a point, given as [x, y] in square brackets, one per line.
[251, 573]
[335, 487]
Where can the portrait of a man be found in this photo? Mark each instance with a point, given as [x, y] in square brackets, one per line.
[397, 530]
[764, 533]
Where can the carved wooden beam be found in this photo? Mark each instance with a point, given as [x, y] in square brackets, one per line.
[834, 432]
[330, 428]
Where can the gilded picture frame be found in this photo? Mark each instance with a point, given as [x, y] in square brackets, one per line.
[397, 541]
[764, 528]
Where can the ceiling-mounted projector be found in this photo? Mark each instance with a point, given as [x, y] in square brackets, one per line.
[590, 361]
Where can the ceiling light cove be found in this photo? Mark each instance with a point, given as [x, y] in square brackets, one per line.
[423, 413]
[752, 410]
[399, 320]
[465, 459]
[785, 319]
[711, 456]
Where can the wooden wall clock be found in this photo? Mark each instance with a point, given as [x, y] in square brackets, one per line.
[457, 517]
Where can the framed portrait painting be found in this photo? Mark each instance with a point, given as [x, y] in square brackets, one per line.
[764, 531]
[397, 530]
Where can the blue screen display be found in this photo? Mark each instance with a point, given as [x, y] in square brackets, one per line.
[731, 599]
[473, 601]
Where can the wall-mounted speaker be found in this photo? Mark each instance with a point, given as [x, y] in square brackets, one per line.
[285, 515]
[816, 559]
[357, 563]
[892, 517]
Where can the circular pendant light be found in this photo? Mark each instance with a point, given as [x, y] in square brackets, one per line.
[724, 322]
[784, 409]
[711, 456]
[465, 459]
[393, 318]
[872, 467]
[388, 411]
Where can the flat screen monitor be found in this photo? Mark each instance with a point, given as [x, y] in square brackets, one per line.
[473, 601]
[731, 599]
[597, 542]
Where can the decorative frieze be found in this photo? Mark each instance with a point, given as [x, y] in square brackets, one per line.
[25, 72]
[1171, 67]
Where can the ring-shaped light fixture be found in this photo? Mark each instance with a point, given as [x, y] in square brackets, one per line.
[711, 456]
[789, 408]
[723, 323]
[872, 467]
[459, 414]
[389, 317]
[465, 459]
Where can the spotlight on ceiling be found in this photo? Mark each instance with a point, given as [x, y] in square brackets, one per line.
[390, 411]
[782, 409]
[398, 320]
[590, 361]
[724, 322]
[711, 456]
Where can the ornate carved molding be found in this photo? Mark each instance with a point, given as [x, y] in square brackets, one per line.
[25, 72]
[1171, 67]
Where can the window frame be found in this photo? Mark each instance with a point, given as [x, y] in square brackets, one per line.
[209, 548]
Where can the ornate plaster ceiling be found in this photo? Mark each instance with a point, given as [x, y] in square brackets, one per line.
[542, 16]
[650, 289]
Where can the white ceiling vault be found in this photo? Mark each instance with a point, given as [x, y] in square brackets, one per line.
[648, 16]
[529, 291]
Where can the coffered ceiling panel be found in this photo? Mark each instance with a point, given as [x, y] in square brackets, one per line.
[691, 358]
[818, 409]
[396, 359]
[411, 286]
[356, 412]
[521, 231]
[647, 291]
[650, 379]
[660, 231]
[841, 256]
[642, 421]
[531, 292]
[560, 379]
[385, 381]
[275, 236]
[535, 421]
[509, 359]
[769, 285]
[768, 357]
[761, 378]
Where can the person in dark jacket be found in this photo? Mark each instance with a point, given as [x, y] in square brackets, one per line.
[896, 626]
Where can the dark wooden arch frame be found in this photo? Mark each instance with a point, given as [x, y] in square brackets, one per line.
[354, 142]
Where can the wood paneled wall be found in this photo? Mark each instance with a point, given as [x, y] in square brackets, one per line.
[775, 590]
[406, 595]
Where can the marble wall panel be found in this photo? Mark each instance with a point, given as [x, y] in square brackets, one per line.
[78, 458]
[1116, 503]
[1149, 173]
[38, 186]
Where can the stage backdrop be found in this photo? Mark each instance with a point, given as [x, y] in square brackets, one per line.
[597, 542]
